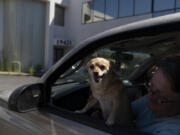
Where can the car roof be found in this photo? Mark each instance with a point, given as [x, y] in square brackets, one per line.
[142, 24]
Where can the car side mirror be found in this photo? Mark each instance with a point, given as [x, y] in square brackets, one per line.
[26, 98]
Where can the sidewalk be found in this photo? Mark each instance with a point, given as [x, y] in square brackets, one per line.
[14, 73]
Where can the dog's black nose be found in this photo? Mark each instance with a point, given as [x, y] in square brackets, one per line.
[96, 73]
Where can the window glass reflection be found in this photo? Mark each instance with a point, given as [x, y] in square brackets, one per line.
[178, 10]
[98, 10]
[111, 9]
[163, 13]
[142, 6]
[163, 4]
[177, 3]
[86, 13]
[126, 8]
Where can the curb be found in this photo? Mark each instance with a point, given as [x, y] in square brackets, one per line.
[15, 73]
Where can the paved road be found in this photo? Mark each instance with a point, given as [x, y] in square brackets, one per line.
[8, 83]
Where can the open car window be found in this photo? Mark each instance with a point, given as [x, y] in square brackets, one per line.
[134, 61]
[125, 63]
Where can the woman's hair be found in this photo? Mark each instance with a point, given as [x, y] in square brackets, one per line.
[170, 66]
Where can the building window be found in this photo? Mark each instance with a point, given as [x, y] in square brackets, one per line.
[177, 3]
[126, 8]
[87, 12]
[163, 13]
[143, 6]
[160, 5]
[111, 9]
[178, 10]
[101, 10]
[98, 10]
[59, 15]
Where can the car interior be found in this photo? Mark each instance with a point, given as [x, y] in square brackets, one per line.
[135, 61]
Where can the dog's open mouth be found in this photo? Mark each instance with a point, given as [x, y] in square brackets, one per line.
[97, 78]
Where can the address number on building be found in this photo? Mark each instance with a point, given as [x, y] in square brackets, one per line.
[63, 42]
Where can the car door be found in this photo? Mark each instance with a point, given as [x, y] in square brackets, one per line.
[134, 51]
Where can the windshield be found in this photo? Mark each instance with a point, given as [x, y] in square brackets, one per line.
[125, 63]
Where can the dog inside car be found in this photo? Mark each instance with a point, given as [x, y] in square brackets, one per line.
[107, 91]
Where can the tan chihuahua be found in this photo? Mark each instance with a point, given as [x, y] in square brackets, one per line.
[108, 91]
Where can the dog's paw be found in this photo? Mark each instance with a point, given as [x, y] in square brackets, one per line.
[109, 122]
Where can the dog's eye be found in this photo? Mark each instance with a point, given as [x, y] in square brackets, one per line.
[102, 67]
[91, 66]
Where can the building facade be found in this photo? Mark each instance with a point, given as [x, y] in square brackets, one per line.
[34, 34]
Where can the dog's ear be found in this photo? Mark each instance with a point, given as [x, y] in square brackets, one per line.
[88, 64]
[113, 66]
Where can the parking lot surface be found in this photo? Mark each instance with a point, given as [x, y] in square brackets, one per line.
[9, 83]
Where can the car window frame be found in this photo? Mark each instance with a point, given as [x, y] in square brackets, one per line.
[89, 46]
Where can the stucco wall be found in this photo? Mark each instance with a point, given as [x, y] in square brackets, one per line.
[76, 31]
[30, 31]
[1, 31]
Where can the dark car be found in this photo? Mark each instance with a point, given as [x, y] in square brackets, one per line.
[47, 107]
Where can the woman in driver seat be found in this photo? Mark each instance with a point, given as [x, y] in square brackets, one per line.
[158, 112]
